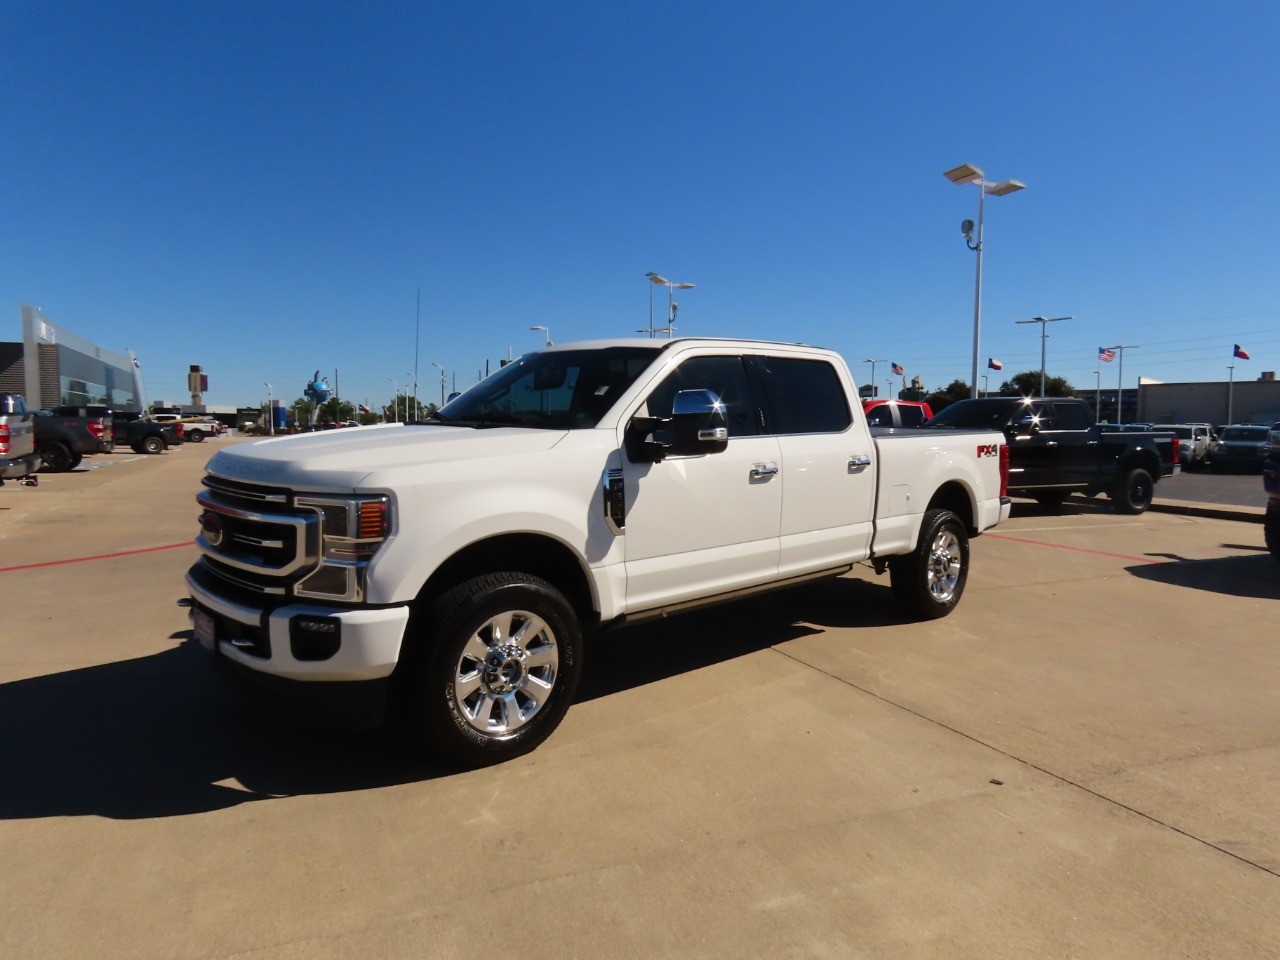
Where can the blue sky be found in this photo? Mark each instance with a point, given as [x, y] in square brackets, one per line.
[263, 188]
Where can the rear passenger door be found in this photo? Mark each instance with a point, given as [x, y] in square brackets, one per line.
[827, 471]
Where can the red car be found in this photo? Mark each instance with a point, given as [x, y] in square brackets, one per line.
[896, 413]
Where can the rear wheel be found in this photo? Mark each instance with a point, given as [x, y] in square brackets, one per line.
[492, 669]
[929, 581]
[152, 445]
[195, 436]
[1271, 529]
[54, 456]
[75, 460]
[1133, 492]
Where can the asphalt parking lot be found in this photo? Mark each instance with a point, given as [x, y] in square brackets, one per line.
[1080, 762]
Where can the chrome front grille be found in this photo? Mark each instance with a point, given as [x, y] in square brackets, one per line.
[256, 537]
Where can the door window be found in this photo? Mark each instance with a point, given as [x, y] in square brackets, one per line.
[724, 376]
[804, 396]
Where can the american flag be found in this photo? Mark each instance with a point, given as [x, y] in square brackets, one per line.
[898, 371]
[1106, 354]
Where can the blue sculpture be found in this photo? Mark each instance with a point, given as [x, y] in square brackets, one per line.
[317, 391]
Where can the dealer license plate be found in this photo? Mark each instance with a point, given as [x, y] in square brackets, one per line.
[206, 632]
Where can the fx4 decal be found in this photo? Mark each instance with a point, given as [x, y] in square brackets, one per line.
[989, 450]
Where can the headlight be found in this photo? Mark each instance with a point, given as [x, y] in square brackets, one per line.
[352, 529]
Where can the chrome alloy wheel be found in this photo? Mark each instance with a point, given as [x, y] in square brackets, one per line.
[506, 672]
[945, 565]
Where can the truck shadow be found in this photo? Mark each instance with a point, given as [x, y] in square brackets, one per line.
[1256, 576]
[166, 736]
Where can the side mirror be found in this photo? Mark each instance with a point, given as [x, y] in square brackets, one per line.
[697, 424]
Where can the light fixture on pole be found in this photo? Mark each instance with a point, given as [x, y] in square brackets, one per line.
[546, 330]
[271, 414]
[441, 366]
[873, 361]
[1044, 326]
[671, 304]
[395, 400]
[968, 173]
[1120, 379]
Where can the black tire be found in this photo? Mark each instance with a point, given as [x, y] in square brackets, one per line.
[152, 445]
[1271, 529]
[195, 436]
[1050, 499]
[476, 699]
[54, 456]
[1133, 492]
[75, 460]
[929, 581]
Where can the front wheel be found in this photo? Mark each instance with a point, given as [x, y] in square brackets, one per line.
[153, 445]
[1133, 492]
[492, 667]
[928, 582]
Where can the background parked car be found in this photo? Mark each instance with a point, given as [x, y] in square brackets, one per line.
[1241, 446]
[65, 434]
[896, 413]
[18, 460]
[1193, 441]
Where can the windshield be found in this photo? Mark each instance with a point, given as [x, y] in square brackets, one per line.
[1245, 434]
[975, 414]
[550, 389]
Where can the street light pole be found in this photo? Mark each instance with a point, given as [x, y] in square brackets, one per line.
[1044, 326]
[873, 361]
[671, 306]
[1120, 380]
[984, 385]
[1097, 395]
[968, 173]
[395, 400]
[1231, 384]
[414, 380]
[441, 366]
[546, 330]
[271, 414]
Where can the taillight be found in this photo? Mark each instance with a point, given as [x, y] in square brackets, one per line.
[179, 426]
[1177, 451]
[1004, 469]
[98, 428]
[4, 438]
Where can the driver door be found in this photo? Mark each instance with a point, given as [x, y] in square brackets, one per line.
[697, 526]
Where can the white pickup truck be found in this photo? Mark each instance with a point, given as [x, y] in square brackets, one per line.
[449, 568]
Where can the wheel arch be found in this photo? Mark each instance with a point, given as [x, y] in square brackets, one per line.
[958, 498]
[531, 553]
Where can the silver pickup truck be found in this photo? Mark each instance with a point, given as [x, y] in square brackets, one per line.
[18, 460]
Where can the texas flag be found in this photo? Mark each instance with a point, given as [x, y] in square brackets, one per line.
[898, 371]
[994, 364]
[1240, 353]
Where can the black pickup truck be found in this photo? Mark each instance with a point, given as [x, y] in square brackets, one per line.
[1056, 449]
[145, 435]
[65, 434]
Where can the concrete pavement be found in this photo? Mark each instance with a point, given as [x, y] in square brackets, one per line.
[1080, 762]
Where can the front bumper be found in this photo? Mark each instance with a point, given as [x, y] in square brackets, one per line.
[267, 640]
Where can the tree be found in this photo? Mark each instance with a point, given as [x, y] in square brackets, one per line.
[1027, 384]
[941, 399]
[404, 407]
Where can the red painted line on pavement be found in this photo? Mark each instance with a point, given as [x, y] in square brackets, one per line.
[100, 556]
[1062, 546]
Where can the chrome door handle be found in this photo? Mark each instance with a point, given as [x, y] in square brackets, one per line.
[1051, 443]
[858, 462]
[761, 470]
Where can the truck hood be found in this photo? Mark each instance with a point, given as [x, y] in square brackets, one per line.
[340, 459]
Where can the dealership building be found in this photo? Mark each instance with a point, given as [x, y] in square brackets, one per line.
[52, 366]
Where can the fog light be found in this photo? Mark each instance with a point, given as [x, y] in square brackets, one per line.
[314, 638]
